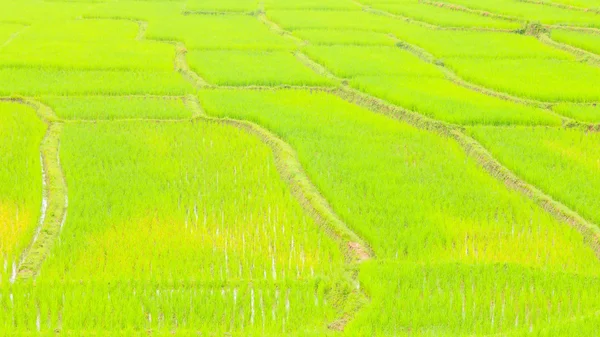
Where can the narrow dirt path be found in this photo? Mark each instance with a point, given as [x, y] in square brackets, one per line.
[55, 198]
[589, 230]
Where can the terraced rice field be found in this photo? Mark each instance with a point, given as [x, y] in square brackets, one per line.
[300, 168]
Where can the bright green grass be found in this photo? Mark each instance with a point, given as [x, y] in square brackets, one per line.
[82, 31]
[222, 5]
[109, 107]
[351, 61]
[563, 163]
[443, 44]
[579, 3]
[126, 56]
[580, 112]
[589, 42]
[151, 11]
[319, 19]
[219, 32]
[441, 99]
[21, 134]
[35, 81]
[36, 11]
[442, 16]
[253, 68]
[535, 12]
[167, 230]
[418, 199]
[7, 30]
[312, 4]
[343, 37]
[546, 80]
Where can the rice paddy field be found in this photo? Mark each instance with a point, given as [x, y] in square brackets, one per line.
[300, 168]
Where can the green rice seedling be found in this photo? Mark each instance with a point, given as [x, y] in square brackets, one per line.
[502, 299]
[115, 107]
[90, 82]
[343, 37]
[351, 61]
[253, 68]
[581, 112]
[535, 12]
[563, 163]
[226, 32]
[419, 200]
[442, 99]
[546, 80]
[592, 4]
[444, 43]
[87, 44]
[168, 231]
[222, 5]
[443, 16]
[35, 11]
[348, 20]
[7, 30]
[585, 41]
[312, 4]
[21, 134]
[150, 11]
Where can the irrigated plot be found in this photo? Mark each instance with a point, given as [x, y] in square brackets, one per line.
[181, 227]
[35, 81]
[219, 32]
[585, 41]
[221, 5]
[582, 112]
[312, 4]
[7, 30]
[442, 99]
[542, 79]
[444, 16]
[253, 68]
[563, 163]
[115, 107]
[137, 10]
[86, 44]
[320, 19]
[323, 36]
[418, 199]
[21, 134]
[351, 61]
[31, 12]
[527, 11]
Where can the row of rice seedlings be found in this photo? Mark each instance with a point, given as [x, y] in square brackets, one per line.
[542, 79]
[222, 5]
[458, 299]
[535, 12]
[7, 30]
[443, 16]
[253, 68]
[21, 134]
[563, 163]
[352, 61]
[419, 205]
[585, 41]
[581, 112]
[90, 82]
[591, 4]
[324, 36]
[88, 44]
[226, 32]
[339, 5]
[257, 310]
[149, 11]
[29, 12]
[184, 201]
[350, 20]
[111, 108]
[442, 99]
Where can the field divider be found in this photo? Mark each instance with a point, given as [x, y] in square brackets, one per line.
[54, 189]
[584, 55]
[275, 28]
[470, 10]
[476, 151]
[562, 6]
[428, 25]
[355, 249]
